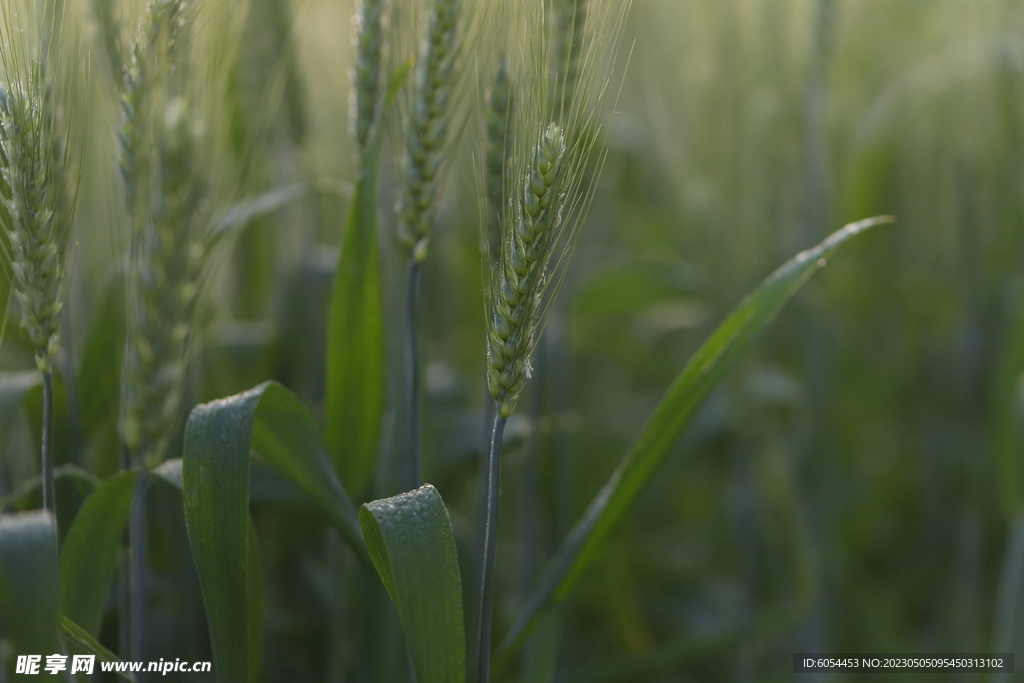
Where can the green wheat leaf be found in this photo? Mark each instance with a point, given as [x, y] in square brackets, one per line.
[28, 583]
[356, 353]
[671, 416]
[411, 541]
[216, 478]
[355, 343]
[219, 437]
[285, 436]
[249, 209]
[89, 556]
[80, 638]
[412, 545]
[84, 480]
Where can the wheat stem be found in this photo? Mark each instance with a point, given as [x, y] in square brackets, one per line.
[490, 543]
[139, 619]
[161, 197]
[425, 136]
[411, 474]
[49, 491]
[32, 171]
[1008, 595]
[124, 594]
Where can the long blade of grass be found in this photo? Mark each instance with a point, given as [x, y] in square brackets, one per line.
[284, 429]
[249, 209]
[670, 417]
[89, 557]
[85, 482]
[219, 437]
[355, 342]
[28, 582]
[215, 472]
[81, 639]
[356, 353]
[254, 603]
[413, 547]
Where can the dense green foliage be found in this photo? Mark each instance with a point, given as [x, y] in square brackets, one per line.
[681, 499]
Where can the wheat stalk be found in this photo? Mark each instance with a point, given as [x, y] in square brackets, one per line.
[166, 178]
[550, 139]
[35, 171]
[425, 153]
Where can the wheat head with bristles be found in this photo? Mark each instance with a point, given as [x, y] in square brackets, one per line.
[366, 71]
[145, 71]
[36, 169]
[523, 265]
[166, 268]
[166, 163]
[427, 128]
[554, 156]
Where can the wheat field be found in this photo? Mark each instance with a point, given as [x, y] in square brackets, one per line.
[451, 341]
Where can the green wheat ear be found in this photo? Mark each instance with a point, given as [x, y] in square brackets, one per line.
[33, 233]
[514, 319]
[145, 72]
[426, 131]
[35, 168]
[166, 182]
[366, 72]
[543, 154]
[165, 280]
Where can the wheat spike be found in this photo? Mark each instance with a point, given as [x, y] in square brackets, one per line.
[33, 232]
[165, 194]
[521, 284]
[152, 54]
[427, 128]
[167, 264]
[366, 72]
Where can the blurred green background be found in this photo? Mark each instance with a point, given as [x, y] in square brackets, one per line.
[856, 484]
